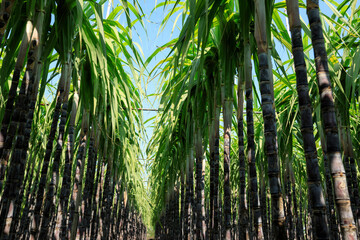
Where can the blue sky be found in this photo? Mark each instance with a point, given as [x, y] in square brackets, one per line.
[150, 39]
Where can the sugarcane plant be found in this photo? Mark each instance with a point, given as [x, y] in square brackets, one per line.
[290, 141]
[52, 162]
[256, 136]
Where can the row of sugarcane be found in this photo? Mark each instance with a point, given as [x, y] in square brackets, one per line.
[69, 167]
[199, 85]
[298, 221]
